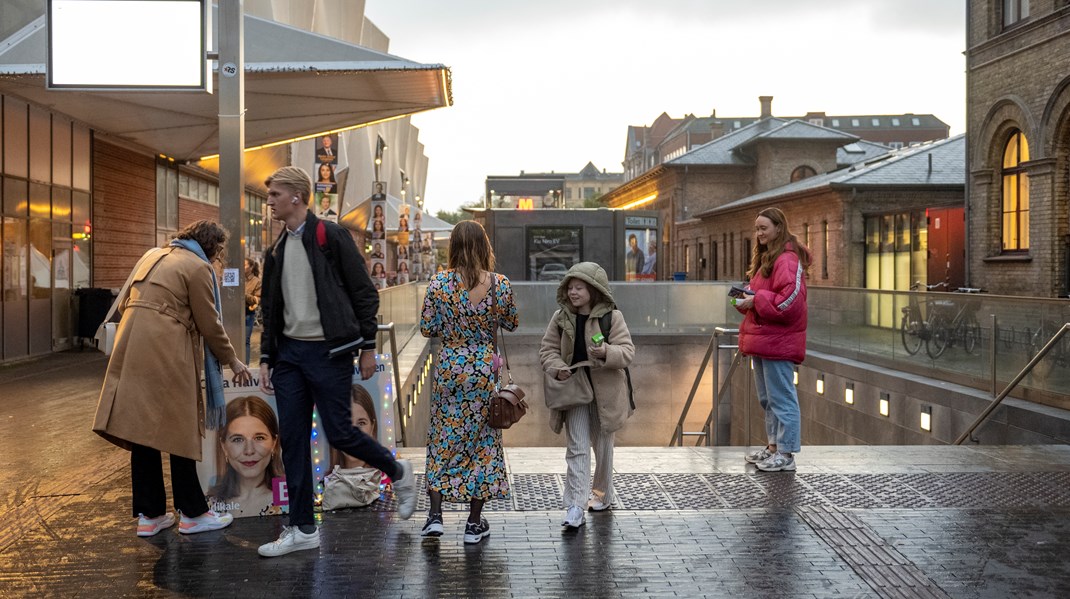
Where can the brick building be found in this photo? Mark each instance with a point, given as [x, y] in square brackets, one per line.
[765, 155]
[1018, 128]
[667, 138]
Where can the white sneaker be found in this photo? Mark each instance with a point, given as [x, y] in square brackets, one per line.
[598, 505]
[147, 527]
[574, 517]
[405, 490]
[204, 523]
[291, 539]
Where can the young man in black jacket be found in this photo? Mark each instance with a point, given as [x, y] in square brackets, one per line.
[319, 308]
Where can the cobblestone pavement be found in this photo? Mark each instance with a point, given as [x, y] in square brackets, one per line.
[932, 521]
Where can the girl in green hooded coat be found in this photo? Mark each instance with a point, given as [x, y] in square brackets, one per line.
[575, 345]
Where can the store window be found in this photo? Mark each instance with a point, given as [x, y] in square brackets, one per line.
[1015, 191]
[896, 255]
[551, 251]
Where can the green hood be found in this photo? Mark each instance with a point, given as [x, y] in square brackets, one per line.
[595, 276]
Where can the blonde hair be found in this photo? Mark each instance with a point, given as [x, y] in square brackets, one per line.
[764, 256]
[470, 251]
[294, 178]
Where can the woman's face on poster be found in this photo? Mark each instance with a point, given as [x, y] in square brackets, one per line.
[248, 446]
[362, 420]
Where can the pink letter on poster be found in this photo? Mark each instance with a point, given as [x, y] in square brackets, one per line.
[279, 493]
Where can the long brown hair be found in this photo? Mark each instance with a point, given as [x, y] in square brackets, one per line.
[228, 485]
[765, 255]
[470, 251]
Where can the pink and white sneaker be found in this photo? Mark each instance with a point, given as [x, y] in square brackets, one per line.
[204, 523]
[147, 527]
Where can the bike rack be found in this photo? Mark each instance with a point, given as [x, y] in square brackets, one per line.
[679, 433]
[1014, 383]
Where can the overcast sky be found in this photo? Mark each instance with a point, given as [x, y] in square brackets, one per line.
[552, 84]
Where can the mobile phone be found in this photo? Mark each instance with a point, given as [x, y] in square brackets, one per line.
[738, 292]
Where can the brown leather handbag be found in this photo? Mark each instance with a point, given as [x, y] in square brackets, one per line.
[507, 405]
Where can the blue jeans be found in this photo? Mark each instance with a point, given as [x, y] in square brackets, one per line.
[776, 393]
[250, 320]
[305, 377]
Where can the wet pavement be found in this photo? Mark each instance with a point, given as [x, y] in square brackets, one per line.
[858, 521]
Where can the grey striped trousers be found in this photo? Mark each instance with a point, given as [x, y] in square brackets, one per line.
[584, 431]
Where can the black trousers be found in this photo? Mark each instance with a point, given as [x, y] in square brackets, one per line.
[305, 377]
[146, 476]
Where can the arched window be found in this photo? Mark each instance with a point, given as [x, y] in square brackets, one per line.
[1015, 201]
[801, 173]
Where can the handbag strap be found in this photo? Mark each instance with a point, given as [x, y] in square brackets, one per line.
[497, 331]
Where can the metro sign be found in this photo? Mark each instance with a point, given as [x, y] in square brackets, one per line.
[525, 204]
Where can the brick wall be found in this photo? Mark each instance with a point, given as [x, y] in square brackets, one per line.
[777, 161]
[124, 211]
[190, 211]
[1017, 79]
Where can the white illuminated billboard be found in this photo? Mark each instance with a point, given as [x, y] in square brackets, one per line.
[128, 44]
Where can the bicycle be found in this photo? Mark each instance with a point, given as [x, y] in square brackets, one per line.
[962, 328]
[914, 328]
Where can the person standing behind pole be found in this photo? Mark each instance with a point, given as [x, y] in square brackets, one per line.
[773, 334]
[151, 400]
[252, 300]
[464, 306]
[319, 308]
[585, 297]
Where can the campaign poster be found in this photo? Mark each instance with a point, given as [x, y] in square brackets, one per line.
[327, 149]
[640, 254]
[325, 181]
[372, 412]
[326, 206]
[241, 470]
[403, 224]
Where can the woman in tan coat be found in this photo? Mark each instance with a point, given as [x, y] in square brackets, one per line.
[575, 345]
[151, 401]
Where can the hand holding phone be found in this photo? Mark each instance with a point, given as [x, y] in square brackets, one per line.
[739, 292]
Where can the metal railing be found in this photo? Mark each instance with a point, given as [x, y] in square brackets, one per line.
[718, 389]
[1051, 344]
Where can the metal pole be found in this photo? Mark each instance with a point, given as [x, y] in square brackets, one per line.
[1021, 375]
[992, 353]
[710, 426]
[232, 159]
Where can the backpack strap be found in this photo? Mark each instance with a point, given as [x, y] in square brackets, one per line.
[605, 322]
[321, 236]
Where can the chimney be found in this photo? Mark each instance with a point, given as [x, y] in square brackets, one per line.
[767, 106]
[713, 113]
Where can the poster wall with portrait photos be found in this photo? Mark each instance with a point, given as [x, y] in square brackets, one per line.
[325, 200]
[378, 238]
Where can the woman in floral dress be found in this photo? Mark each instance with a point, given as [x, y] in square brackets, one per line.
[463, 306]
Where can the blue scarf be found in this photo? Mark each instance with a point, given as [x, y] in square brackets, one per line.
[215, 412]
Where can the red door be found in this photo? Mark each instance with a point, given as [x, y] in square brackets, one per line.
[947, 247]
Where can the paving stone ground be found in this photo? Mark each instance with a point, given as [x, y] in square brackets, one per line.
[930, 521]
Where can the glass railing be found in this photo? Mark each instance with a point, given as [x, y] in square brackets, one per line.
[649, 307]
[944, 335]
[865, 325]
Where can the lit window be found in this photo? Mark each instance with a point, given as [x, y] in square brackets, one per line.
[895, 122]
[1015, 201]
[1014, 11]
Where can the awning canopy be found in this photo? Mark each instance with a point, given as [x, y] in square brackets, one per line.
[297, 83]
